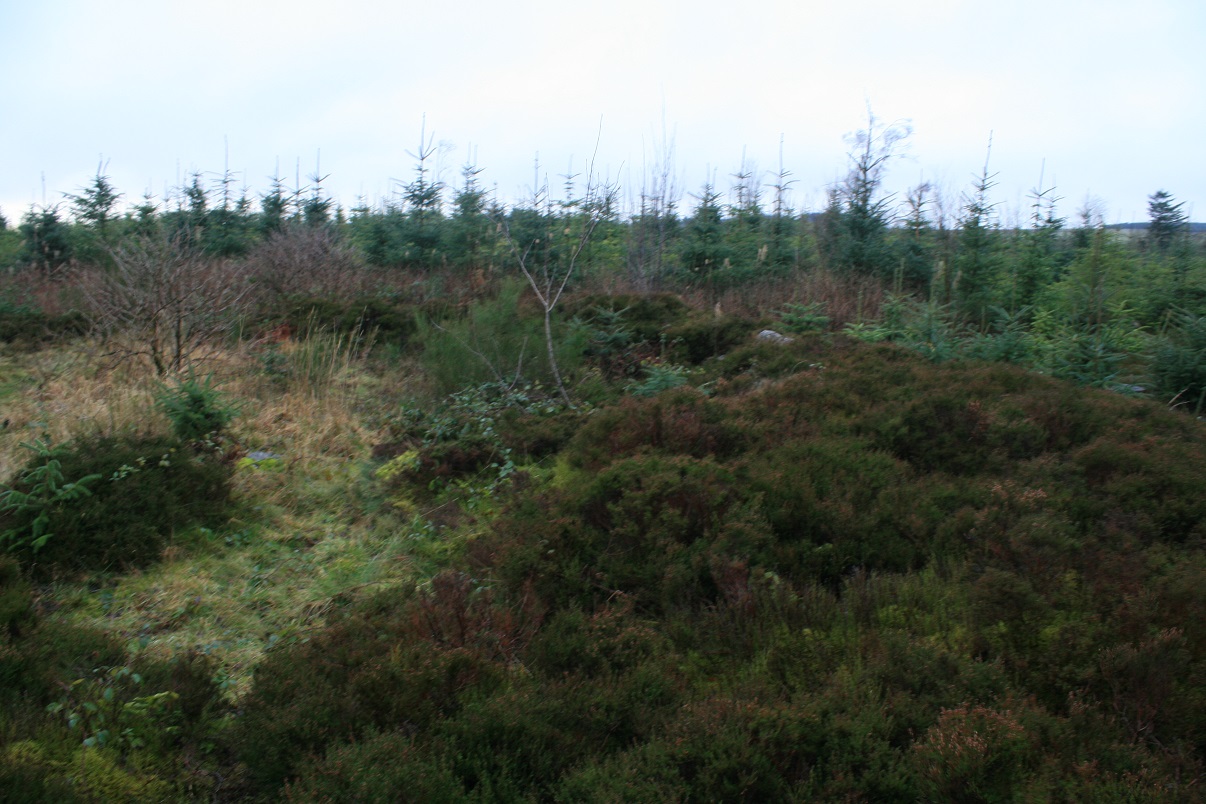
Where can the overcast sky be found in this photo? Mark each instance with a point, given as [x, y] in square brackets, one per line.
[1105, 97]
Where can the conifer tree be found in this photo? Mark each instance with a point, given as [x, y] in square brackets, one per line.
[1167, 222]
[96, 205]
[423, 197]
[863, 246]
[145, 216]
[95, 211]
[781, 251]
[46, 241]
[917, 248]
[828, 231]
[656, 223]
[743, 227]
[470, 227]
[977, 258]
[1035, 266]
[274, 206]
[549, 247]
[704, 252]
[944, 232]
[192, 215]
[228, 225]
[316, 210]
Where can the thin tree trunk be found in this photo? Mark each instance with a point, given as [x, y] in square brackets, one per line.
[548, 341]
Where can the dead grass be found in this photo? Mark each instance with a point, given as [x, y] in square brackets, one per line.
[67, 391]
[303, 541]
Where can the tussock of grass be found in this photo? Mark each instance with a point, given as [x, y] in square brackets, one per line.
[297, 550]
[67, 392]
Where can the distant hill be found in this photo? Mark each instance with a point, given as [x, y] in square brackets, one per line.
[1195, 228]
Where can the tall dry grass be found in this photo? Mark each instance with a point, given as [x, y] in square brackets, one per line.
[68, 390]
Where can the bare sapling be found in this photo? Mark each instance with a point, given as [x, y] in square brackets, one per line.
[164, 301]
[548, 266]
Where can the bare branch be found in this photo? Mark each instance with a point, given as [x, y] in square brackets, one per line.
[166, 302]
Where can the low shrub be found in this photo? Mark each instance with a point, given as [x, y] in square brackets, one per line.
[144, 488]
[36, 665]
[799, 319]
[944, 432]
[835, 504]
[196, 409]
[613, 348]
[608, 642]
[535, 435]
[387, 665]
[26, 325]
[29, 777]
[974, 752]
[680, 421]
[873, 577]
[759, 359]
[190, 679]
[646, 316]
[386, 766]
[514, 744]
[1179, 364]
[19, 322]
[657, 528]
[1151, 487]
[658, 377]
[475, 438]
[498, 340]
[358, 317]
[704, 334]
[16, 604]
[723, 748]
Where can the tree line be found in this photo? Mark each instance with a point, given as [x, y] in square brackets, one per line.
[956, 260]
[962, 255]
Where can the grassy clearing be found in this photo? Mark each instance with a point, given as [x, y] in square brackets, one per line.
[301, 542]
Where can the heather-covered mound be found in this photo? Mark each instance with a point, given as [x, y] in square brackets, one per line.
[845, 573]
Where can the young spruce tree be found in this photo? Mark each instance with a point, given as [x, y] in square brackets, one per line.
[977, 258]
[863, 245]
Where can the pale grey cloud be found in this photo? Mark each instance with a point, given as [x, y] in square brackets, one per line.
[1106, 93]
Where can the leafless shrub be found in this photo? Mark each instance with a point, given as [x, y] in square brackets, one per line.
[306, 261]
[165, 302]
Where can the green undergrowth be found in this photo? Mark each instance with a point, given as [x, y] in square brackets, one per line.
[109, 502]
[847, 573]
[820, 569]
